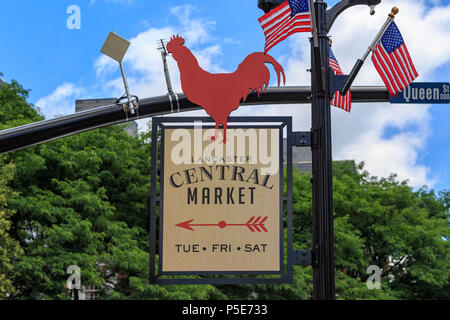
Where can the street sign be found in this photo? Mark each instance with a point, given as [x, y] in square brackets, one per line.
[221, 204]
[424, 92]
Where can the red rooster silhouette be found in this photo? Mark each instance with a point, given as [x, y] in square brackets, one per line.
[220, 94]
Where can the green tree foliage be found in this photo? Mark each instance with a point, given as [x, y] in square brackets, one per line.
[15, 110]
[404, 232]
[84, 200]
[10, 250]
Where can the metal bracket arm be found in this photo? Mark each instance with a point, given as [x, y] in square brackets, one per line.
[336, 82]
[301, 139]
[314, 138]
[315, 255]
[341, 6]
[302, 257]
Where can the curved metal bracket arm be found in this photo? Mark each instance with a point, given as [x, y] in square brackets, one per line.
[48, 130]
[334, 12]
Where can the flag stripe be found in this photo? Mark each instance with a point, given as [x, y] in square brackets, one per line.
[280, 24]
[380, 70]
[347, 102]
[400, 68]
[300, 27]
[270, 27]
[404, 51]
[274, 13]
[287, 24]
[277, 17]
[387, 69]
[382, 73]
[408, 64]
[406, 70]
[335, 66]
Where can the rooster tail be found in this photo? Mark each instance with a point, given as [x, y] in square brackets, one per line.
[278, 68]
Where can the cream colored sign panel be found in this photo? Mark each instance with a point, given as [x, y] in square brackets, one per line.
[221, 209]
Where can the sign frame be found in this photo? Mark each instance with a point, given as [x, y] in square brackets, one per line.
[287, 255]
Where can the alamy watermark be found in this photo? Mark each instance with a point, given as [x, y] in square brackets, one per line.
[374, 281]
[249, 146]
[74, 280]
[74, 20]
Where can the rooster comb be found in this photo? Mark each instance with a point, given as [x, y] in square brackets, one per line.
[177, 40]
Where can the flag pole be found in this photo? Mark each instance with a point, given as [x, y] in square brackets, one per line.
[317, 60]
[359, 63]
[313, 23]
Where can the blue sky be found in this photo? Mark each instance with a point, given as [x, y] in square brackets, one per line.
[60, 65]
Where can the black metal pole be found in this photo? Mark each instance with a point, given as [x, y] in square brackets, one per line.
[48, 130]
[322, 179]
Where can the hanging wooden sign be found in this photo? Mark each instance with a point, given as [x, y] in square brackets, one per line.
[221, 213]
[221, 205]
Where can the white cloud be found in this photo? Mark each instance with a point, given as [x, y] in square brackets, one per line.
[398, 154]
[229, 40]
[61, 101]
[105, 66]
[194, 30]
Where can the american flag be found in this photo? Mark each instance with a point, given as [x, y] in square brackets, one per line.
[288, 18]
[392, 60]
[338, 100]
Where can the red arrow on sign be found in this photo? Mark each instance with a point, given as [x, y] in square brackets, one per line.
[254, 224]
